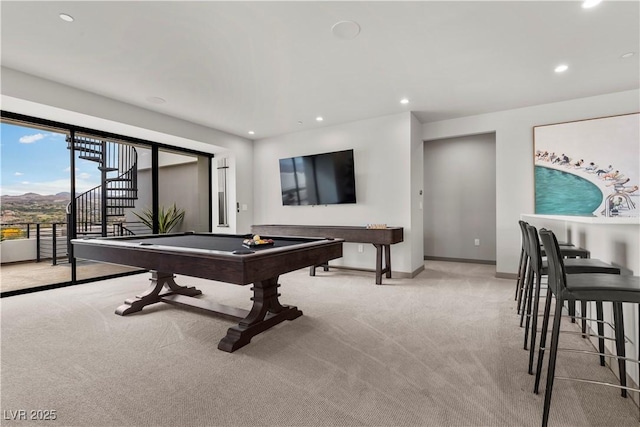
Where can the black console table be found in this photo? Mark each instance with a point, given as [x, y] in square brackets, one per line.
[381, 238]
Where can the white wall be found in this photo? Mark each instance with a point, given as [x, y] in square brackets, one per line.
[417, 196]
[26, 94]
[18, 250]
[460, 197]
[514, 155]
[383, 169]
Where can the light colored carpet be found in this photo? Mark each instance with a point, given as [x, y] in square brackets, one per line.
[442, 349]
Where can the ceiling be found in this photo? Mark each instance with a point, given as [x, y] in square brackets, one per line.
[273, 67]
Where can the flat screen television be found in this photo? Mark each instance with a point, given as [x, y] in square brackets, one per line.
[319, 179]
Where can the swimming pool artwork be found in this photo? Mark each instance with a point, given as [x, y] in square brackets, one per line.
[588, 167]
[562, 193]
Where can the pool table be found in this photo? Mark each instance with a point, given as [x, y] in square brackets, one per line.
[221, 257]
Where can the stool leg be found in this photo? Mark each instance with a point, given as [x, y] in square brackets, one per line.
[519, 277]
[600, 316]
[572, 310]
[618, 321]
[583, 314]
[553, 352]
[523, 281]
[534, 324]
[526, 296]
[529, 313]
[543, 339]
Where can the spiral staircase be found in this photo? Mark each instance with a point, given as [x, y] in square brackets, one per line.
[100, 211]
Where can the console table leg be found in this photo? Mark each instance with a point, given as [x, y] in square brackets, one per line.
[387, 260]
[378, 263]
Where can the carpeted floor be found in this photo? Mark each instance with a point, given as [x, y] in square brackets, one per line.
[442, 349]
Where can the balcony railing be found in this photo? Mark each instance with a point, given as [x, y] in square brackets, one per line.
[51, 239]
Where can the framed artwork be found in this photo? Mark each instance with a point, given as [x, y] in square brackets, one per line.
[588, 167]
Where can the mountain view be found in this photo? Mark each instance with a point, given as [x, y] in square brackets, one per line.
[32, 207]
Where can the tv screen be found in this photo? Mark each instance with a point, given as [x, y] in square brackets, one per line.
[319, 179]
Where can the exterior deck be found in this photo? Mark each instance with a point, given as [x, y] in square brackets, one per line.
[29, 274]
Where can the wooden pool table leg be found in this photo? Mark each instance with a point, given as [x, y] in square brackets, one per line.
[152, 295]
[265, 313]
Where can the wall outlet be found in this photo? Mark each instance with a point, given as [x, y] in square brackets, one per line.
[476, 242]
[360, 248]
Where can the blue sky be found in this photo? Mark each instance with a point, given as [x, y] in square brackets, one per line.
[37, 161]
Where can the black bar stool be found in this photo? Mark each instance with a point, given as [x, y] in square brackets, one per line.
[568, 250]
[613, 288]
[539, 268]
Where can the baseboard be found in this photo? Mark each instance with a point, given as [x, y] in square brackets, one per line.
[394, 274]
[471, 261]
[416, 271]
[512, 276]
[405, 275]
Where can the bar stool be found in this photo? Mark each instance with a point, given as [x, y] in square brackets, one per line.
[568, 250]
[613, 288]
[539, 268]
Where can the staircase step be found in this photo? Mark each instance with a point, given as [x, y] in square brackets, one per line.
[121, 198]
[91, 158]
[88, 150]
[82, 145]
[118, 179]
[105, 169]
[122, 188]
[85, 141]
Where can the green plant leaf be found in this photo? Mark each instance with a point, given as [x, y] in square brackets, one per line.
[167, 218]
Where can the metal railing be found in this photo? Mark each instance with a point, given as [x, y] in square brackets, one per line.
[52, 238]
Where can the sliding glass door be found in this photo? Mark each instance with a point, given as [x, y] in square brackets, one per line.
[35, 194]
[60, 182]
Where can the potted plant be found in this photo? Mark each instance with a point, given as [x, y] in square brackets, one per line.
[167, 218]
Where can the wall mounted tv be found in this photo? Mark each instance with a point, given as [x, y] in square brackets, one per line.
[319, 179]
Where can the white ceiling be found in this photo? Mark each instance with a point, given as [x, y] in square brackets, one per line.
[264, 66]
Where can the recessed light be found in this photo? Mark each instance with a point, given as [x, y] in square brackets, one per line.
[251, 132]
[346, 30]
[319, 119]
[587, 4]
[156, 100]
[66, 17]
[404, 101]
[561, 68]
[299, 122]
[627, 55]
